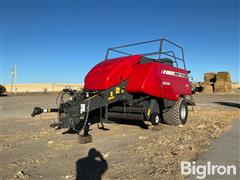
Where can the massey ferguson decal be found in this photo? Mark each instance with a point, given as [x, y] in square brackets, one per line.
[174, 73]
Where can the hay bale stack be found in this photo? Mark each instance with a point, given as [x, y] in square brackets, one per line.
[207, 88]
[235, 86]
[221, 86]
[223, 82]
[223, 76]
[209, 78]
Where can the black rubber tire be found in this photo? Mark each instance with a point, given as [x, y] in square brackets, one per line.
[173, 116]
[155, 119]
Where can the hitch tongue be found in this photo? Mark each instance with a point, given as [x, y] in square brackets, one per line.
[38, 110]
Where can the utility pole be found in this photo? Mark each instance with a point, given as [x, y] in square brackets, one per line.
[14, 75]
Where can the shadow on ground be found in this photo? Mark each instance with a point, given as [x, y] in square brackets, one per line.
[91, 167]
[129, 122]
[79, 127]
[230, 104]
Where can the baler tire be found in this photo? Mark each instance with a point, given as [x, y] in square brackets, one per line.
[155, 119]
[173, 115]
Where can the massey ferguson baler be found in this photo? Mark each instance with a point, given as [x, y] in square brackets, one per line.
[149, 87]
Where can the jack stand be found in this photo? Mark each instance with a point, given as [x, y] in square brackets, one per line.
[85, 137]
[101, 119]
[102, 127]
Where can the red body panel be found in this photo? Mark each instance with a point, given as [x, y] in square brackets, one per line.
[159, 80]
[154, 78]
[110, 72]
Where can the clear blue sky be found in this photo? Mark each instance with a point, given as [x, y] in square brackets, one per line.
[60, 41]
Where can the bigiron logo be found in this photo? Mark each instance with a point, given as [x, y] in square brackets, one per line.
[204, 170]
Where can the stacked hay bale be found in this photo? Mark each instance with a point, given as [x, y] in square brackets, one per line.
[207, 88]
[223, 82]
[208, 85]
[209, 77]
[220, 82]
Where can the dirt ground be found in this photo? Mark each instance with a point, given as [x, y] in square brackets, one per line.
[31, 149]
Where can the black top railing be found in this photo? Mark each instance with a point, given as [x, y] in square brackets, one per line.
[160, 52]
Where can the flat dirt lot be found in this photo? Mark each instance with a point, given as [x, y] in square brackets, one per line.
[127, 151]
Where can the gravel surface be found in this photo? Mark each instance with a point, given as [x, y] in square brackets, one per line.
[31, 149]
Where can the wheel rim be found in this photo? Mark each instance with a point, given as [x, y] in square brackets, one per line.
[157, 119]
[183, 112]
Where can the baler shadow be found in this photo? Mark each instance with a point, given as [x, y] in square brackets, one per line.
[230, 104]
[91, 167]
[57, 126]
[130, 122]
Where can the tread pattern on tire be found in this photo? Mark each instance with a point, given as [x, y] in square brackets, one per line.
[172, 116]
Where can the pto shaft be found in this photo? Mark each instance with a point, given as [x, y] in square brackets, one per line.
[38, 110]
